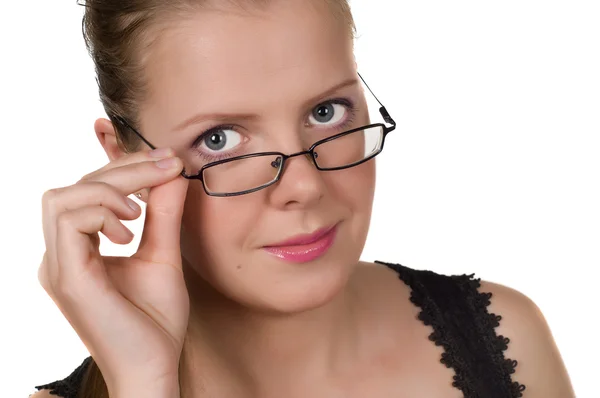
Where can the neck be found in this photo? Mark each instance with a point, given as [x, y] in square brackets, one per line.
[256, 353]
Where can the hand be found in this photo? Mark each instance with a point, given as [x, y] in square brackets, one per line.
[131, 313]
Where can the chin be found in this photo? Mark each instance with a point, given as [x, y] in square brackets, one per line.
[289, 287]
[306, 287]
[280, 290]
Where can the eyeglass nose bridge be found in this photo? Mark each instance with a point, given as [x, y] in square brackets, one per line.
[280, 161]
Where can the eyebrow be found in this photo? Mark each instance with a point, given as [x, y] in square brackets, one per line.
[245, 116]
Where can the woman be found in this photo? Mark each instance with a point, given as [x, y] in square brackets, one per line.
[247, 281]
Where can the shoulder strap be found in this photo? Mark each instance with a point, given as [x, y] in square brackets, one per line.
[458, 314]
[68, 387]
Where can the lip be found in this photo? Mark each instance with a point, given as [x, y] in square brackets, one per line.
[304, 248]
[304, 239]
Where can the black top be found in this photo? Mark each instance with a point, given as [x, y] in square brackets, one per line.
[457, 311]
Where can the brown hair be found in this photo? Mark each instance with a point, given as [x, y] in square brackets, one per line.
[117, 34]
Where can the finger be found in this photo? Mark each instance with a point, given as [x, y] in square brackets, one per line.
[90, 193]
[57, 201]
[83, 292]
[80, 225]
[134, 177]
[130, 158]
[160, 238]
[78, 258]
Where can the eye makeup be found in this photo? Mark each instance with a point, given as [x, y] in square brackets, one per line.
[208, 156]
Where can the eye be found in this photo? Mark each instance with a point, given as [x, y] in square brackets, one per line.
[220, 139]
[328, 113]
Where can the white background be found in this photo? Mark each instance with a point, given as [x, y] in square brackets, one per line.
[494, 167]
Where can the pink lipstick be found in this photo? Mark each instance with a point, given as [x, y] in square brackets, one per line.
[304, 248]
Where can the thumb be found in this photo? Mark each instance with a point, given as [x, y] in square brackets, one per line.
[164, 208]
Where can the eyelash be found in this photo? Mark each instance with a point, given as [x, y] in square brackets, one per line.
[198, 141]
[350, 107]
[347, 103]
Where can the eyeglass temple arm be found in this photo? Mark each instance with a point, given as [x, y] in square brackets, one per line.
[124, 123]
[384, 113]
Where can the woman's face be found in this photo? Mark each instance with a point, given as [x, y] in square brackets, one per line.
[276, 79]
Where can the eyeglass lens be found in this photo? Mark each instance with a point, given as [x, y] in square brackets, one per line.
[253, 172]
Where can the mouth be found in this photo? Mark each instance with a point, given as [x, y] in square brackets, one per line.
[304, 248]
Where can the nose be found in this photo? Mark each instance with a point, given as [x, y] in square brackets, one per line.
[300, 184]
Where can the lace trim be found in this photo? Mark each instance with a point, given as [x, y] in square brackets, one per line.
[488, 322]
[68, 387]
[431, 315]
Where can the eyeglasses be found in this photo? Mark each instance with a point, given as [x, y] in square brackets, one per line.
[249, 173]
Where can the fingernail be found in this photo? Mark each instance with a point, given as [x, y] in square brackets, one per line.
[134, 206]
[161, 153]
[167, 163]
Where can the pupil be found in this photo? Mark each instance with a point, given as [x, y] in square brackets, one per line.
[323, 113]
[216, 141]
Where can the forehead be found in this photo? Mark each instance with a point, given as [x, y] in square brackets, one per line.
[245, 60]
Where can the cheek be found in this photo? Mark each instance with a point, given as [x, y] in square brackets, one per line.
[213, 226]
[355, 187]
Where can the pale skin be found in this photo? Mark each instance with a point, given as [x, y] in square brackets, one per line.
[248, 324]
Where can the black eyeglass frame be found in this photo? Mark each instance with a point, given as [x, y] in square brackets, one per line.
[311, 151]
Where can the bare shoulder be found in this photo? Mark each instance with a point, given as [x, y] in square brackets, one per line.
[43, 394]
[540, 365]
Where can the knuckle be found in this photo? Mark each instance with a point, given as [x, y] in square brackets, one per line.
[50, 196]
[86, 177]
[65, 220]
[45, 279]
[42, 276]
